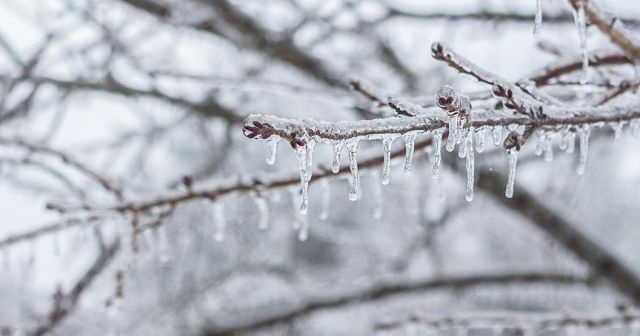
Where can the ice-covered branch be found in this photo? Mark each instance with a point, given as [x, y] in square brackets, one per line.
[386, 290]
[48, 229]
[610, 26]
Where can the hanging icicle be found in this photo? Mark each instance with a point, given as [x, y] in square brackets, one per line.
[512, 163]
[353, 166]
[453, 131]
[337, 151]
[437, 153]
[409, 144]
[548, 148]
[538, 20]
[496, 134]
[480, 140]
[470, 164]
[583, 134]
[387, 141]
[305, 160]
[581, 23]
[272, 144]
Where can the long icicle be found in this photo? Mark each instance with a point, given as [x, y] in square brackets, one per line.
[353, 166]
[513, 161]
[470, 165]
[437, 153]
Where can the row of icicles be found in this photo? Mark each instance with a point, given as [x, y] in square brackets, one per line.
[469, 141]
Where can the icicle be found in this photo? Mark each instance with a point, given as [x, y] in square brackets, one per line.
[538, 20]
[326, 198]
[272, 142]
[353, 166]
[263, 212]
[571, 145]
[496, 134]
[564, 139]
[470, 164]
[635, 127]
[337, 151]
[295, 193]
[305, 158]
[453, 131]
[480, 140]
[386, 166]
[548, 148]
[378, 202]
[219, 220]
[462, 149]
[583, 133]
[513, 161]
[617, 130]
[581, 23]
[540, 136]
[409, 144]
[437, 153]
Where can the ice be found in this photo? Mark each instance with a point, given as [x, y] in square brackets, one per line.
[512, 163]
[496, 134]
[437, 153]
[480, 140]
[272, 142]
[453, 131]
[387, 141]
[337, 151]
[617, 130]
[470, 165]
[548, 148]
[583, 133]
[538, 20]
[302, 156]
[581, 23]
[409, 144]
[353, 166]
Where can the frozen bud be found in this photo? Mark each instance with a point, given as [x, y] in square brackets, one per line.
[462, 104]
[445, 97]
[437, 50]
[513, 140]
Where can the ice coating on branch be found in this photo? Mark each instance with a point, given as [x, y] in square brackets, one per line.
[583, 134]
[337, 152]
[409, 144]
[352, 147]
[496, 134]
[538, 20]
[326, 198]
[437, 153]
[386, 166]
[272, 143]
[581, 23]
[263, 212]
[480, 140]
[405, 107]
[512, 158]
[470, 165]
[219, 221]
